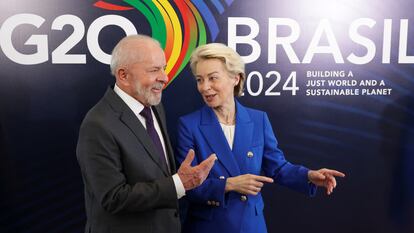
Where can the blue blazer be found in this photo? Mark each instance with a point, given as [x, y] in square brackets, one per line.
[254, 151]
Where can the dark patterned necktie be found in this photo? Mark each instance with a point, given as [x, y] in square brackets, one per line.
[149, 122]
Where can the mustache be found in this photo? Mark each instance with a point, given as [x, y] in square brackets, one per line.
[158, 85]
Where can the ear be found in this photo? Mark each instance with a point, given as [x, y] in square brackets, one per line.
[122, 76]
[236, 79]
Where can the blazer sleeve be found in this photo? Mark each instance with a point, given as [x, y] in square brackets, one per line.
[100, 159]
[212, 188]
[275, 165]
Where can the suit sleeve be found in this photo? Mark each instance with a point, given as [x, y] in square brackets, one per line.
[213, 187]
[99, 156]
[276, 166]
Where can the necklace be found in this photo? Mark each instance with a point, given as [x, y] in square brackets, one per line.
[227, 121]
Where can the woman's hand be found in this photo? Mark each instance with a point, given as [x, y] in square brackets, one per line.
[324, 178]
[247, 184]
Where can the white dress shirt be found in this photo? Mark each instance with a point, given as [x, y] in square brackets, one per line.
[137, 107]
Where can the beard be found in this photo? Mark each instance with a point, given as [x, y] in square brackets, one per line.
[149, 97]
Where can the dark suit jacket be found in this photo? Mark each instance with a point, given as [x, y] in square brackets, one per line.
[126, 189]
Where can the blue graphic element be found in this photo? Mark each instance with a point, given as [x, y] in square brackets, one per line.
[208, 17]
[218, 5]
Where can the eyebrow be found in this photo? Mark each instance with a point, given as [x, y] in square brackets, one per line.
[208, 74]
[157, 67]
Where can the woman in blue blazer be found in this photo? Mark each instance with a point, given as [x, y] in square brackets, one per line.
[242, 138]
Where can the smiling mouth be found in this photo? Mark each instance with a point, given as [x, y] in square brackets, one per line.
[157, 88]
[209, 97]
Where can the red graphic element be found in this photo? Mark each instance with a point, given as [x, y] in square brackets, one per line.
[188, 20]
[110, 6]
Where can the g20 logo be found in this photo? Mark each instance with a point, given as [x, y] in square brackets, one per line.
[180, 26]
[60, 55]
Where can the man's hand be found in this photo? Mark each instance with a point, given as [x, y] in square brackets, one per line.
[248, 184]
[192, 177]
[325, 178]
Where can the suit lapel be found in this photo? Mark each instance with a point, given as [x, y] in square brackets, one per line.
[131, 121]
[243, 135]
[159, 113]
[213, 133]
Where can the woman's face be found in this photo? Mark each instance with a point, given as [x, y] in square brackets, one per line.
[214, 83]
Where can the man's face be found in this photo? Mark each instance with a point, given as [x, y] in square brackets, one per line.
[146, 77]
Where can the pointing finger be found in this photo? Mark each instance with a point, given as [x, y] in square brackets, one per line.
[263, 179]
[334, 173]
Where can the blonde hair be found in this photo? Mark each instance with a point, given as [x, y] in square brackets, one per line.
[232, 61]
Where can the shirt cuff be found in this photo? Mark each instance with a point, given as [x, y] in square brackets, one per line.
[179, 187]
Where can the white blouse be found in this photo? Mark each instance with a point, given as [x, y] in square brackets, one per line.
[228, 131]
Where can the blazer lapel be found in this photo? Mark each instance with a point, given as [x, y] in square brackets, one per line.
[132, 122]
[243, 135]
[213, 133]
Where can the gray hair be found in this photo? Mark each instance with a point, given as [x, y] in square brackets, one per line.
[232, 61]
[122, 55]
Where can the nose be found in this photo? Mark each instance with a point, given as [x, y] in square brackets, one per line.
[203, 86]
[163, 77]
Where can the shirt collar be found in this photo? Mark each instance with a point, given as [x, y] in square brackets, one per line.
[132, 103]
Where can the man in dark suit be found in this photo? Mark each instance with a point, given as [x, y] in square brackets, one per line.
[127, 163]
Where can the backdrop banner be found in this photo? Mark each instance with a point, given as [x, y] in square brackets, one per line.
[336, 78]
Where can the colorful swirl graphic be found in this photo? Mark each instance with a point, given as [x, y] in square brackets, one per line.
[179, 27]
